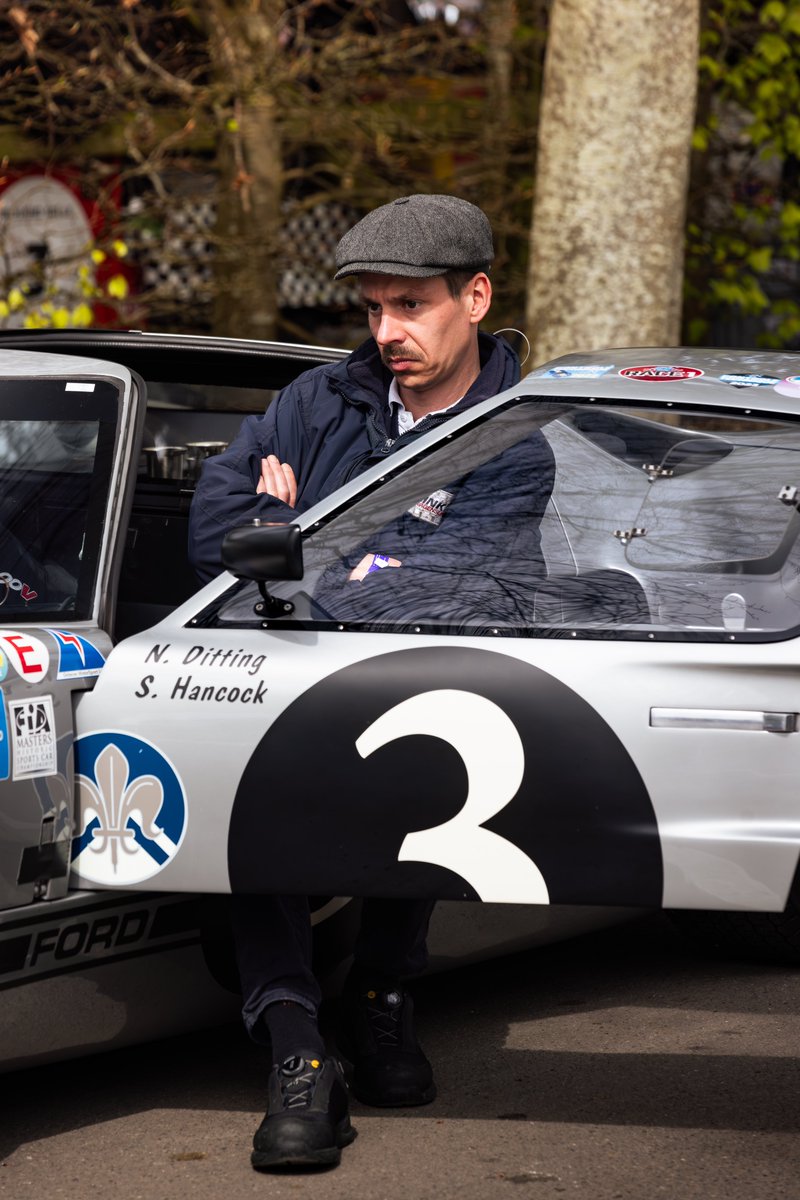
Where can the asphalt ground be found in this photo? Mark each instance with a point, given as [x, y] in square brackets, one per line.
[617, 1065]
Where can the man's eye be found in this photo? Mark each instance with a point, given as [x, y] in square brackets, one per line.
[412, 304]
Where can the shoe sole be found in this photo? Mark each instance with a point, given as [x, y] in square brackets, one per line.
[326, 1156]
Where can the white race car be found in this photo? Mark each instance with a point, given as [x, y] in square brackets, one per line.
[567, 717]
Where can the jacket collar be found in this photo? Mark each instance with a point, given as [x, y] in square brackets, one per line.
[363, 379]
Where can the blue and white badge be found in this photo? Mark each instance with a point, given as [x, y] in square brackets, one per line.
[132, 809]
[578, 371]
[5, 752]
[433, 508]
[77, 656]
[749, 381]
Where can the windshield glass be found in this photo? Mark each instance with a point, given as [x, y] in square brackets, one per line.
[56, 447]
[549, 518]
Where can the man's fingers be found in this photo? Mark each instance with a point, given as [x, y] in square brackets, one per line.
[291, 482]
[277, 479]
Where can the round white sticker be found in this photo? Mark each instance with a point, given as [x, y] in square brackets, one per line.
[29, 657]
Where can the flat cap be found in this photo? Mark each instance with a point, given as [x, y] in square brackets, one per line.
[417, 236]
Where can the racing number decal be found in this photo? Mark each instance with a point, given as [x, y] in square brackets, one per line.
[495, 763]
[445, 772]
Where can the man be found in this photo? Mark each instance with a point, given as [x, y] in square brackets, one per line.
[422, 263]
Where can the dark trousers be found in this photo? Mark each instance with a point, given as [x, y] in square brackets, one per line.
[273, 948]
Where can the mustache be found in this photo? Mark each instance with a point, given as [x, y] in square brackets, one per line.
[396, 353]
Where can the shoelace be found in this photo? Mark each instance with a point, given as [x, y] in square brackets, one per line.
[297, 1084]
[385, 1022]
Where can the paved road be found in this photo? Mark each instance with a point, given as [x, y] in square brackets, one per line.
[614, 1067]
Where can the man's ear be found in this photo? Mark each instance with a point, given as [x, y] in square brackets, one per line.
[479, 294]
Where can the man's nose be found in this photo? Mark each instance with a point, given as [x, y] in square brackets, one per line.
[389, 330]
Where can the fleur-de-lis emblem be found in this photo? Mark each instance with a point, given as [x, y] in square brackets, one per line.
[113, 802]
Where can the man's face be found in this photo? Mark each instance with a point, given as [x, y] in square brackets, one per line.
[423, 333]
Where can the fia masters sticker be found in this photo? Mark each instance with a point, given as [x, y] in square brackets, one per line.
[33, 733]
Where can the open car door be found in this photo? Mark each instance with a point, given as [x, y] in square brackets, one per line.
[570, 703]
[69, 428]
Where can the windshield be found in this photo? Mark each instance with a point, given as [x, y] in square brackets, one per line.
[56, 447]
[550, 518]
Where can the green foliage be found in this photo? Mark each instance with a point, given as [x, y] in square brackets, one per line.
[744, 227]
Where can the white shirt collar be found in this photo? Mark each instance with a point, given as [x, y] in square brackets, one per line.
[406, 419]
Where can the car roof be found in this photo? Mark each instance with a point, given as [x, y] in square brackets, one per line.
[21, 364]
[180, 357]
[684, 375]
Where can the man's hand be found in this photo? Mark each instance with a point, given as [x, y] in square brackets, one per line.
[277, 479]
[370, 563]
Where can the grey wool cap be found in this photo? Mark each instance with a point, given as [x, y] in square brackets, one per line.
[417, 236]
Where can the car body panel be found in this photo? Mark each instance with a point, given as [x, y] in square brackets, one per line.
[703, 840]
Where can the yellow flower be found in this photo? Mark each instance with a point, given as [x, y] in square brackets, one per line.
[16, 299]
[82, 315]
[118, 287]
[98, 257]
[119, 248]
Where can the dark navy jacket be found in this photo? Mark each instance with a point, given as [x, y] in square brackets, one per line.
[329, 424]
[469, 548]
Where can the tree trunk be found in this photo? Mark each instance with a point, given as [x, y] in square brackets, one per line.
[500, 19]
[616, 120]
[250, 169]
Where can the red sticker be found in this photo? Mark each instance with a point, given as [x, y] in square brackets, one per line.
[657, 374]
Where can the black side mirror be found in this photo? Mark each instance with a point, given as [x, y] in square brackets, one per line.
[261, 551]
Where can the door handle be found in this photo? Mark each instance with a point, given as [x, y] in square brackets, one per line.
[723, 718]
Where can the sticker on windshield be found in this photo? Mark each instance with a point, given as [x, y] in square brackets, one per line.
[789, 386]
[132, 809]
[660, 374]
[28, 656]
[433, 507]
[748, 381]
[3, 666]
[77, 656]
[578, 371]
[33, 735]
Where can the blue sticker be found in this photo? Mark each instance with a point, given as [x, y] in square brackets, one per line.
[747, 381]
[132, 809]
[579, 371]
[77, 656]
[3, 666]
[5, 753]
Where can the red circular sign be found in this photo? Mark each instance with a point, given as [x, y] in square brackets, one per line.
[659, 374]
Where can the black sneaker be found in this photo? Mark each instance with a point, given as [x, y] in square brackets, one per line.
[376, 1033]
[307, 1122]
